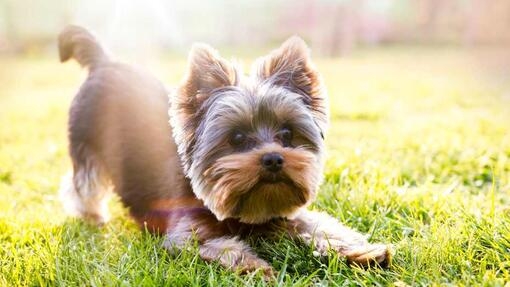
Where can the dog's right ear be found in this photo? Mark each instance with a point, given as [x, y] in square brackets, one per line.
[207, 71]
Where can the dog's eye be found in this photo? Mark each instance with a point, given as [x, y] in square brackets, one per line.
[286, 136]
[237, 138]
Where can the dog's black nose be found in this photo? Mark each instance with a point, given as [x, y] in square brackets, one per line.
[272, 161]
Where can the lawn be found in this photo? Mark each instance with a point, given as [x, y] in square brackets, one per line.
[418, 156]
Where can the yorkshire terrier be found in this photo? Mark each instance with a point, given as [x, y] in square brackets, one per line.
[242, 156]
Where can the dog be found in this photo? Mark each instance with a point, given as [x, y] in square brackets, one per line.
[225, 157]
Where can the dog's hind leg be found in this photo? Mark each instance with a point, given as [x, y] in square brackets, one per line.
[85, 191]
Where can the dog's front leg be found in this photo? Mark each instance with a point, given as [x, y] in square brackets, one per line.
[234, 254]
[215, 244]
[325, 233]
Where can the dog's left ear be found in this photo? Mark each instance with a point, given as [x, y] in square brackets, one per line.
[291, 67]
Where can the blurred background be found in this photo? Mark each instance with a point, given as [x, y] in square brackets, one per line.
[333, 27]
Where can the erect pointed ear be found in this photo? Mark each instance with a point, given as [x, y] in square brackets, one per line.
[291, 67]
[207, 71]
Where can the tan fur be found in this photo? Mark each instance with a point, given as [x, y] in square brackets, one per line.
[238, 192]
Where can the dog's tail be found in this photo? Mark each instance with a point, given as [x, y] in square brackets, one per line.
[78, 43]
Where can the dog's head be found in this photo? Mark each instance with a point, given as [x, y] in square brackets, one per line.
[252, 146]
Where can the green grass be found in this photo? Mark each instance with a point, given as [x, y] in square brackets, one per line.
[419, 156]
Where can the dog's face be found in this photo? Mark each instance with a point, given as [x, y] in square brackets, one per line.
[252, 146]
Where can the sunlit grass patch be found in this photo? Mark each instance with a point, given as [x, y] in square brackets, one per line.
[418, 156]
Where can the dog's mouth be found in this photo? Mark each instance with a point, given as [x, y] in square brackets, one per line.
[275, 185]
[272, 178]
[274, 195]
[276, 182]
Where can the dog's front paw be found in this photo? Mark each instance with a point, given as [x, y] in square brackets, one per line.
[235, 255]
[370, 254]
[253, 264]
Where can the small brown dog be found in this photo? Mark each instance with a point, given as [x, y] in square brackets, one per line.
[245, 158]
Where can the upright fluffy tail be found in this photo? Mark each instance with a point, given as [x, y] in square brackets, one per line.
[78, 43]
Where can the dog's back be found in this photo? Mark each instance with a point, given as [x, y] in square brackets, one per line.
[118, 132]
